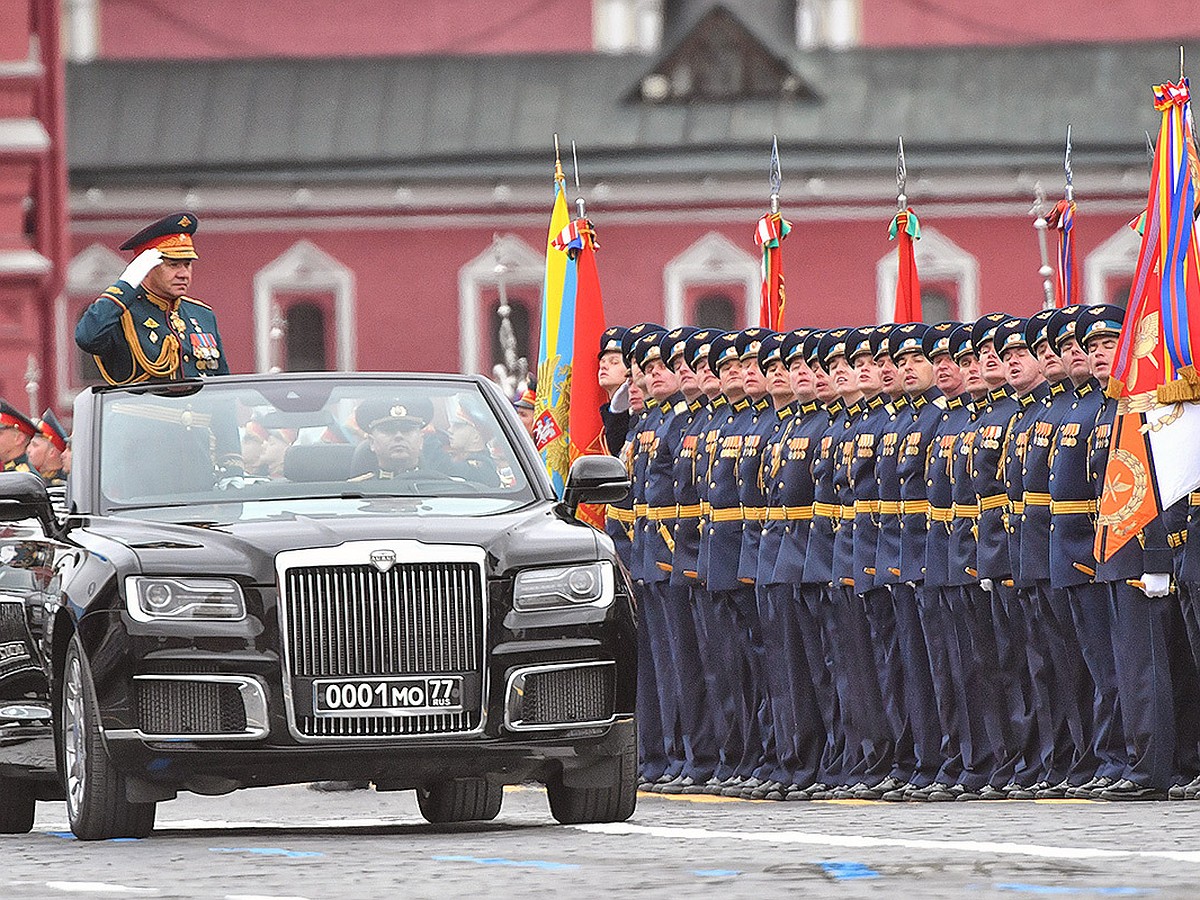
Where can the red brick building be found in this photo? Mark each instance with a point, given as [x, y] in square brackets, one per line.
[368, 191]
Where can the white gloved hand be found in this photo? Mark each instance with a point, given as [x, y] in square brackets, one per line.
[986, 584]
[1156, 585]
[140, 267]
[619, 402]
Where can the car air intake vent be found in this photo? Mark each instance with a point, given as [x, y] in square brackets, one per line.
[184, 707]
[566, 696]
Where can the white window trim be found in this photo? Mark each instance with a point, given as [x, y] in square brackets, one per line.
[508, 259]
[938, 259]
[89, 272]
[305, 267]
[712, 260]
[1116, 256]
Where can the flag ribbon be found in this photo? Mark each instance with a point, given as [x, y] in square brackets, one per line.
[907, 227]
[772, 229]
[1062, 219]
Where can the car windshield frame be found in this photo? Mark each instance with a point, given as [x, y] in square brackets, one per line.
[518, 478]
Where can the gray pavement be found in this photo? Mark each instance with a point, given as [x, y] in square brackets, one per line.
[291, 842]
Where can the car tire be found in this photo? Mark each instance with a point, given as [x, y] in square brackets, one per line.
[612, 803]
[460, 800]
[17, 804]
[97, 807]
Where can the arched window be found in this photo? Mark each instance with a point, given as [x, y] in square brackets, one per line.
[306, 341]
[715, 311]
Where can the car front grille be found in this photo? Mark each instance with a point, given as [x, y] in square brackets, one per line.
[567, 696]
[420, 618]
[183, 707]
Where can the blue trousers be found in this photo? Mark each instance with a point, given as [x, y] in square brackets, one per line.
[1056, 670]
[813, 609]
[656, 721]
[870, 746]
[920, 704]
[713, 624]
[976, 663]
[1093, 613]
[1014, 644]
[937, 625]
[795, 714]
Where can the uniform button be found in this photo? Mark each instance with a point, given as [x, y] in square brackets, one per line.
[187, 358]
[1051, 476]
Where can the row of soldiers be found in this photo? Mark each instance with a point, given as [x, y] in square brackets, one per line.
[863, 562]
[40, 446]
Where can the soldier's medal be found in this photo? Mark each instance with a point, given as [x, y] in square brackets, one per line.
[150, 323]
[177, 322]
[154, 337]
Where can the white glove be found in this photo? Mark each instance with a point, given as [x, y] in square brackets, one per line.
[140, 267]
[1156, 585]
[619, 402]
[986, 584]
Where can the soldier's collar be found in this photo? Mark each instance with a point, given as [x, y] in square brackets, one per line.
[719, 401]
[651, 403]
[1058, 387]
[875, 402]
[998, 393]
[900, 402]
[1042, 391]
[696, 404]
[810, 407]
[1087, 387]
[739, 405]
[1027, 400]
[836, 406]
[675, 398]
[854, 409]
[760, 405]
[161, 302]
[785, 412]
[954, 402]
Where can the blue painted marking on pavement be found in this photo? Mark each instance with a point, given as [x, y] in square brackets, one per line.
[847, 870]
[1054, 889]
[501, 861]
[267, 851]
[716, 873]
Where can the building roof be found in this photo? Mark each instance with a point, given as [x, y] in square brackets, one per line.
[434, 118]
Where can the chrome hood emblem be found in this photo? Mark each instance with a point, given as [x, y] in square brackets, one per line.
[383, 560]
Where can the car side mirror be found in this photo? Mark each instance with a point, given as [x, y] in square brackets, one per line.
[23, 496]
[595, 479]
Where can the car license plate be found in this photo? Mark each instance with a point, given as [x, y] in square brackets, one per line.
[388, 696]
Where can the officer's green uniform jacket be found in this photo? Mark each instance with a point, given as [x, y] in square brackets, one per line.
[137, 336]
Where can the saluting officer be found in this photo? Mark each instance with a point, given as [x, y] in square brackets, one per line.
[613, 376]
[1073, 564]
[1138, 579]
[618, 517]
[145, 327]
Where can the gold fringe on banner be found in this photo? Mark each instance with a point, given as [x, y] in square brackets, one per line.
[1183, 388]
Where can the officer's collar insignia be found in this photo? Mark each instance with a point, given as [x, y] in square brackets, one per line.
[739, 405]
[762, 404]
[785, 412]
[900, 402]
[809, 407]
[695, 405]
[719, 401]
[651, 403]
[1027, 399]
[954, 403]
[150, 323]
[1057, 388]
[836, 406]
[919, 401]
[998, 394]
[855, 409]
[875, 402]
[1085, 388]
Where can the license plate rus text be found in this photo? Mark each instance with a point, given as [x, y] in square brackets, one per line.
[387, 696]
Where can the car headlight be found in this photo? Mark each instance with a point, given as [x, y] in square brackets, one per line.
[149, 598]
[566, 586]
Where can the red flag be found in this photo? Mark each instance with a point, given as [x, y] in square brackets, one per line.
[772, 229]
[585, 427]
[908, 283]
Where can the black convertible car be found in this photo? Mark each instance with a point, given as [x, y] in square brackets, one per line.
[386, 590]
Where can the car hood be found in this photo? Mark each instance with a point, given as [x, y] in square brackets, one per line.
[539, 533]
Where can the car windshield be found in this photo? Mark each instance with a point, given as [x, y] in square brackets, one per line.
[295, 439]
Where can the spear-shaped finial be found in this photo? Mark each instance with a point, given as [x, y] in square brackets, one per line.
[559, 174]
[901, 175]
[1070, 192]
[775, 176]
[579, 195]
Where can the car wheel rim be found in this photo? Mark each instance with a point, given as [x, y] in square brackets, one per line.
[74, 746]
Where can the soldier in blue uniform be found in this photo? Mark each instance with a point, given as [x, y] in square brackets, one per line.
[613, 376]
[1073, 510]
[870, 602]
[799, 688]
[1138, 580]
[900, 558]
[145, 327]
[1185, 538]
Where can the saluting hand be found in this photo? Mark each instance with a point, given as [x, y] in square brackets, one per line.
[141, 266]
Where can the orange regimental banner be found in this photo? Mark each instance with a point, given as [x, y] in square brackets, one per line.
[1152, 458]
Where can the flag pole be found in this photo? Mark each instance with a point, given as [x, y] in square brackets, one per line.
[1040, 225]
[579, 204]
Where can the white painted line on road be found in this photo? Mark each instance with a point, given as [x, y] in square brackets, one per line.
[96, 887]
[262, 897]
[854, 841]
